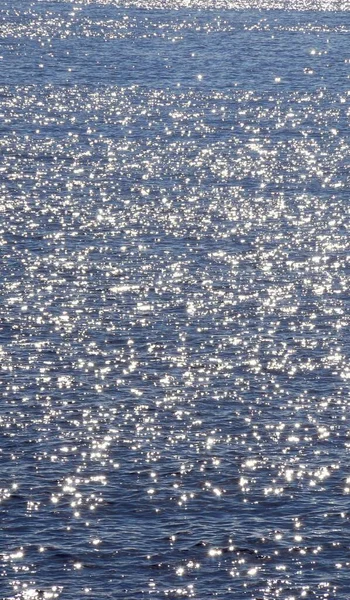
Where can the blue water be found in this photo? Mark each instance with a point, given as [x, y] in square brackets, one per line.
[174, 325]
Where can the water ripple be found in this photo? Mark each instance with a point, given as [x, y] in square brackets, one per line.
[175, 313]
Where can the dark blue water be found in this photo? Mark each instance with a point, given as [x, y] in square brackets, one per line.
[174, 325]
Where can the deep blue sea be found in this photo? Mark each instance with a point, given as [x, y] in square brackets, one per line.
[174, 299]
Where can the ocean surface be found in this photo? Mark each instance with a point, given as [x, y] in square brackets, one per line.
[174, 313]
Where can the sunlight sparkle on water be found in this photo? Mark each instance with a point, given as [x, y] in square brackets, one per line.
[174, 324]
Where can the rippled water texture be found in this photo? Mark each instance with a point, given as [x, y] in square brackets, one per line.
[174, 326]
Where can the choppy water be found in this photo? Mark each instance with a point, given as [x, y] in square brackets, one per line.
[174, 321]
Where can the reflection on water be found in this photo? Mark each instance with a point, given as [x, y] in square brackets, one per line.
[175, 310]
